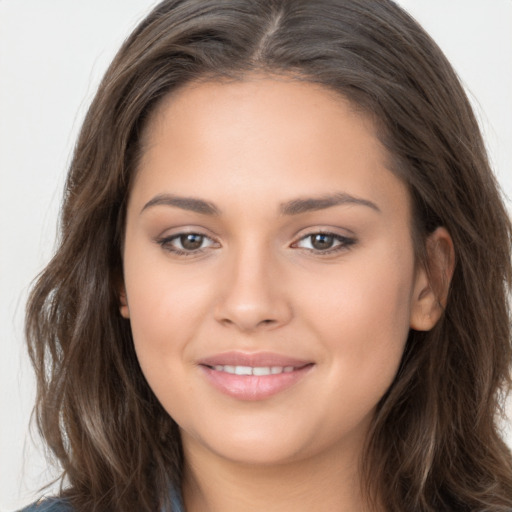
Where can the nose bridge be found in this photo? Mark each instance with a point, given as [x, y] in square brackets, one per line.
[251, 297]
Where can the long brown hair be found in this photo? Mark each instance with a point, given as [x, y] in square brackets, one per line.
[435, 442]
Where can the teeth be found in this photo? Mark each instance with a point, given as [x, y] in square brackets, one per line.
[263, 370]
[243, 370]
[254, 370]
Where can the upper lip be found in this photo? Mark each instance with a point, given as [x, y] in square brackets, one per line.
[256, 359]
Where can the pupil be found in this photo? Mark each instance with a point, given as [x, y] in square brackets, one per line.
[191, 241]
[322, 241]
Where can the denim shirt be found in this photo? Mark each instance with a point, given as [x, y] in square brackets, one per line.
[60, 505]
[48, 505]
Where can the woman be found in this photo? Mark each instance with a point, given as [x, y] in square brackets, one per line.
[283, 275]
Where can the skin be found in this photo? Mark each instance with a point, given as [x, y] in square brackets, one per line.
[258, 284]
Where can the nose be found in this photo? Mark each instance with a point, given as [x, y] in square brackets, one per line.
[253, 294]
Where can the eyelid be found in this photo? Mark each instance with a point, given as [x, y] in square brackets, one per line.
[165, 241]
[344, 242]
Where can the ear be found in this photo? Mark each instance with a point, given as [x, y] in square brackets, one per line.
[432, 281]
[123, 302]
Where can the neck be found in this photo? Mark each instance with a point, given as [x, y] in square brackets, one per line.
[329, 481]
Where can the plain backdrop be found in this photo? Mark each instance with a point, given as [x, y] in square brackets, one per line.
[52, 55]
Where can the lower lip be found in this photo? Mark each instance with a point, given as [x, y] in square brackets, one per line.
[252, 387]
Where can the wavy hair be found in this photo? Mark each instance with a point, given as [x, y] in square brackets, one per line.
[435, 442]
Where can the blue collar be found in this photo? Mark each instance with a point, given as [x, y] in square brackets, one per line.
[176, 500]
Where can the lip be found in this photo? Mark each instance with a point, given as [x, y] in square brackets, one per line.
[236, 358]
[253, 387]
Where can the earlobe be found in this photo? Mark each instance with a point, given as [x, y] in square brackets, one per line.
[123, 303]
[432, 282]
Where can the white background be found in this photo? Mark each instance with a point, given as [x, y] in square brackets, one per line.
[52, 55]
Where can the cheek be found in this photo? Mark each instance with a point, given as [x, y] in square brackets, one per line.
[165, 314]
[365, 319]
[166, 307]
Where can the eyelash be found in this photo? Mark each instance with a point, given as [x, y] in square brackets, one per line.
[344, 243]
[166, 244]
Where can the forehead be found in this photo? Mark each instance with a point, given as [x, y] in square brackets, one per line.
[271, 136]
[291, 100]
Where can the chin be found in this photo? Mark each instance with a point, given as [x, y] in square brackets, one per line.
[253, 445]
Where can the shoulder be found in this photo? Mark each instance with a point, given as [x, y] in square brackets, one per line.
[48, 505]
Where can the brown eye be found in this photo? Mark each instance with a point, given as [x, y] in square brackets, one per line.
[324, 243]
[186, 244]
[321, 241]
[191, 241]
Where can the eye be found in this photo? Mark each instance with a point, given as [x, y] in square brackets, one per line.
[324, 242]
[186, 243]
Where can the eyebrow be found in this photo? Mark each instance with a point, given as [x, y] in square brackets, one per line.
[309, 204]
[293, 207]
[185, 203]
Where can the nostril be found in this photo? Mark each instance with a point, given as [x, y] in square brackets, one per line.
[249, 313]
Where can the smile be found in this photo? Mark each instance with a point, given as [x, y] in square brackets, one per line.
[254, 370]
[251, 377]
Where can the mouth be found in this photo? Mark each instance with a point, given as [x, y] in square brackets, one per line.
[252, 377]
[253, 370]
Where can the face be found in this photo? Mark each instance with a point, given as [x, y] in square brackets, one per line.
[269, 270]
